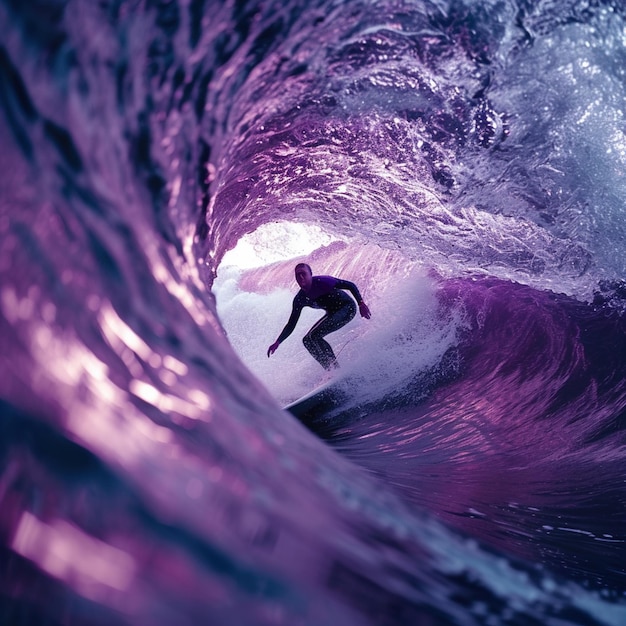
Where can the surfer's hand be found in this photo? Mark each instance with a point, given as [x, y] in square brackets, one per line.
[272, 349]
[364, 311]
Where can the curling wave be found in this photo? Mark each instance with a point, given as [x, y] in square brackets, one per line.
[468, 158]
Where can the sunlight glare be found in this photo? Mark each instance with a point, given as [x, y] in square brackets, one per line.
[278, 241]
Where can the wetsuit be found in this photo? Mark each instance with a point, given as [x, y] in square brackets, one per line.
[325, 293]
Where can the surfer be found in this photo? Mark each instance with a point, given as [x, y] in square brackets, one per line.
[322, 292]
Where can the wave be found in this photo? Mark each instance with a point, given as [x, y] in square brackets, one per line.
[464, 160]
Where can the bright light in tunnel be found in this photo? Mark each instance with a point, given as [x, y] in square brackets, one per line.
[278, 241]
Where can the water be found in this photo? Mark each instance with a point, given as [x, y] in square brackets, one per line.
[466, 163]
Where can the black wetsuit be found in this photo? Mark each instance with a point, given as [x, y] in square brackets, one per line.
[325, 293]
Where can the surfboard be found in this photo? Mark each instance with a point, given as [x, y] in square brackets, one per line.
[319, 403]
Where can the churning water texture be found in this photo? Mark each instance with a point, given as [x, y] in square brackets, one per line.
[467, 160]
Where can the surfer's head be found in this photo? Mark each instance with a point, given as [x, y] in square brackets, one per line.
[304, 276]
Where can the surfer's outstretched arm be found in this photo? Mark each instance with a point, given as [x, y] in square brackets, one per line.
[289, 327]
[354, 290]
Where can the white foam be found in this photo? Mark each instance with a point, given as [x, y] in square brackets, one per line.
[408, 333]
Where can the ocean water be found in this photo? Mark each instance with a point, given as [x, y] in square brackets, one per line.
[462, 162]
